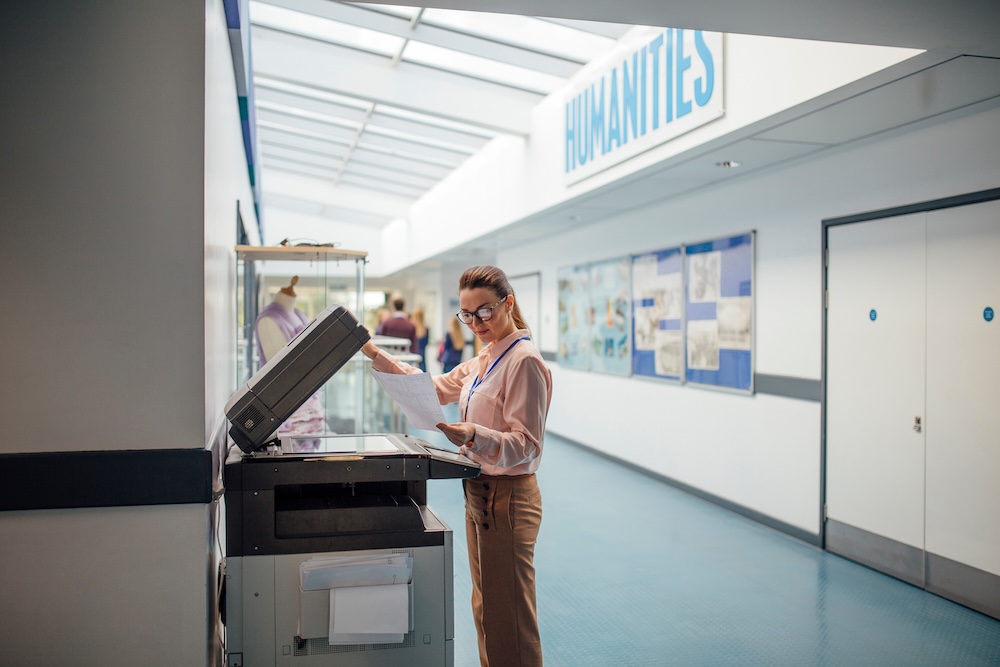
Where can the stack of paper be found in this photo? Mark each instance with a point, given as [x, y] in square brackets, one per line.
[369, 599]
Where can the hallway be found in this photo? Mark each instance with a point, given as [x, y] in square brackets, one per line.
[634, 572]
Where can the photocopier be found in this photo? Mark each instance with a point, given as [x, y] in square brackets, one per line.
[332, 555]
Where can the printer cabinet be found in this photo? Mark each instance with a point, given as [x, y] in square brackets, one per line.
[264, 614]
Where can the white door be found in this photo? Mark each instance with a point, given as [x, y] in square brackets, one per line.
[527, 290]
[963, 385]
[875, 377]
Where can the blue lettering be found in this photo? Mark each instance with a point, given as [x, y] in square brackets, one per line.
[642, 95]
[597, 136]
[683, 64]
[669, 86]
[630, 98]
[580, 109]
[654, 52]
[703, 92]
[614, 122]
[570, 137]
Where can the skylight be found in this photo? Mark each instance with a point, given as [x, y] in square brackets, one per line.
[525, 31]
[307, 25]
[481, 68]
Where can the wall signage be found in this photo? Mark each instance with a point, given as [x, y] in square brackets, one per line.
[656, 90]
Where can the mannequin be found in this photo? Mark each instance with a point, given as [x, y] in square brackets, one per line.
[279, 322]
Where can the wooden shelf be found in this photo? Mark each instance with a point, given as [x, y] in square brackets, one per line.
[297, 253]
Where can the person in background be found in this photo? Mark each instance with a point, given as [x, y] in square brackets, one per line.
[452, 346]
[503, 399]
[399, 325]
[381, 315]
[423, 335]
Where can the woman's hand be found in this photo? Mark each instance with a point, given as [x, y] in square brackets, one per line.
[459, 434]
[369, 349]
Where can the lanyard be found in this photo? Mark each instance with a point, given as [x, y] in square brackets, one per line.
[479, 380]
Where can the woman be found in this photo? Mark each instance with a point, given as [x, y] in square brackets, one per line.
[452, 346]
[503, 398]
[423, 334]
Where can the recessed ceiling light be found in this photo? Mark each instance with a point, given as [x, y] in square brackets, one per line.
[728, 164]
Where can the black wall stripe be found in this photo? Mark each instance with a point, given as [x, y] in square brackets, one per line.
[54, 480]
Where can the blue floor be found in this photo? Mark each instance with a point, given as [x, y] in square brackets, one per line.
[631, 571]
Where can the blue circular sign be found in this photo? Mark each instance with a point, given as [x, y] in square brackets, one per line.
[988, 314]
[872, 315]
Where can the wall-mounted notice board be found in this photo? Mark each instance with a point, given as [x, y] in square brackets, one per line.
[658, 314]
[719, 312]
[575, 318]
[611, 332]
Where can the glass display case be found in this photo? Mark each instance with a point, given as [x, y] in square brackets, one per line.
[307, 279]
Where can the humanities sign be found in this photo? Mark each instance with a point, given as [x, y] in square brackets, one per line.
[668, 85]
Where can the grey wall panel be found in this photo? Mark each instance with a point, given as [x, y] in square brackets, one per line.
[895, 558]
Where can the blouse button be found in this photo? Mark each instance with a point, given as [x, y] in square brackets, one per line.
[486, 526]
[486, 485]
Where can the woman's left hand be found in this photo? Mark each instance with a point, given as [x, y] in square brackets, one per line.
[459, 434]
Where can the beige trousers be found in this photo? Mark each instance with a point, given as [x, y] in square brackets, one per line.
[502, 516]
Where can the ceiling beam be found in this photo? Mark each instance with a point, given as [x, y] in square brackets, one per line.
[358, 16]
[412, 87]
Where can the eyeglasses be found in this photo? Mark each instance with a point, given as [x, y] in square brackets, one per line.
[484, 314]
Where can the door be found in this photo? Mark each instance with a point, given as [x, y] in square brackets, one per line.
[875, 379]
[963, 386]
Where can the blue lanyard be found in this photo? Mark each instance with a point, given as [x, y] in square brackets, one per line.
[479, 380]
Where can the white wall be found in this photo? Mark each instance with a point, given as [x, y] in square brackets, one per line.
[79, 588]
[103, 252]
[513, 178]
[761, 452]
[226, 187]
[118, 209]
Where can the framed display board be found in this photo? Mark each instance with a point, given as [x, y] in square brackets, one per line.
[575, 318]
[719, 312]
[658, 314]
[611, 330]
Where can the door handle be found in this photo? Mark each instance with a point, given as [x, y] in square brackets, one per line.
[917, 427]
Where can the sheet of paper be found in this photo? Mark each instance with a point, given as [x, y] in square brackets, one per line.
[361, 612]
[336, 572]
[416, 395]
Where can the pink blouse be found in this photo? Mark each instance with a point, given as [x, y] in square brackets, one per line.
[508, 405]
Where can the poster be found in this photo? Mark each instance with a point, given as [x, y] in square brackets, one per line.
[611, 317]
[658, 314]
[719, 312]
[575, 318]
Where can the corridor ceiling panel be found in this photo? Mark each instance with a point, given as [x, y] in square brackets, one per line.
[388, 100]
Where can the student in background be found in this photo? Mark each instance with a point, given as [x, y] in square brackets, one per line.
[423, 334]
[399, 325]
[452, 346]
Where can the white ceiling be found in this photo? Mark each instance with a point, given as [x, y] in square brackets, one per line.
[361, 109]
[379, 103]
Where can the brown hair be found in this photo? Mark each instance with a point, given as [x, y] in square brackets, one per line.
[492, 278]
[457, 333]
[417, 317]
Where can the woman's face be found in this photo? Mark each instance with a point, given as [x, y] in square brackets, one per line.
[498, 326]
